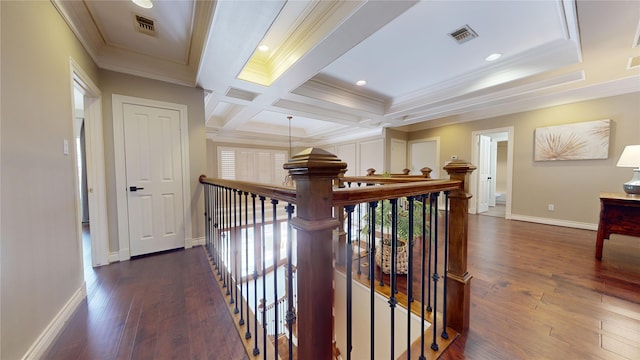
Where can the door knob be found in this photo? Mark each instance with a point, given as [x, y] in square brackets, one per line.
[135, 188]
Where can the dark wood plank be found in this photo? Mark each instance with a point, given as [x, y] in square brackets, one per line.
[165, 306]
[538, 292]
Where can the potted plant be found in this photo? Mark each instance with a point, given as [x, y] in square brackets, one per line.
[383, 219]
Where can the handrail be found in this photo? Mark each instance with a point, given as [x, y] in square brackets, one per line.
[353, 196]
[379, 179]
[275, 303]
[394, 187]
[271, 191]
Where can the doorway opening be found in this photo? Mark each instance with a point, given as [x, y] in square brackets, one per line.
[491, 183]
[81, 164]
[88, 148]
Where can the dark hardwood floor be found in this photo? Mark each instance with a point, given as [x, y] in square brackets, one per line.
[537, 293]
[165, 306]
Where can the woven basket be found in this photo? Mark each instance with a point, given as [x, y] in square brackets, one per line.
[402, 261]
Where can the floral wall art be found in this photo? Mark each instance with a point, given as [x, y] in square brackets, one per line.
[579, 141]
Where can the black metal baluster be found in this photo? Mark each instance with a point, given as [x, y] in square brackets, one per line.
[430, 255]
[422, 263]
[213, 223]
[213, 210]
[234, 261]
[207, 234]
[256, 350]
[381, 242]
[359, 228]
[436, 277]
[372, 275]
[410, 275]
[444, 334]
[290, 314]
[247, 335]
[276, 242]
[349, 271]
[219, 226]
[264, 280]
[392, 275]
[227, 237]
[239, 241]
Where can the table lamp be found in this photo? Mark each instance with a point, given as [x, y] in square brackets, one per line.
[631, 158]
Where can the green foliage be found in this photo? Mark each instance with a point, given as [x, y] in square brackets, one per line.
[383, 218]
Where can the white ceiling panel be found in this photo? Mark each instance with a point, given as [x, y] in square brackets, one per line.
[554, 52]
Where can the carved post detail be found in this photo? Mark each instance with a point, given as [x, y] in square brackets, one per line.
[458, 279]
[426, 172]
[313, 171]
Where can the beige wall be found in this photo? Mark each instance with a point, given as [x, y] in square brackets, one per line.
[573, 186]
[128, 85]
[41, 252]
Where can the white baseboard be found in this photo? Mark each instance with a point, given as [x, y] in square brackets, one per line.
[114, 257]
[124, 254]
[556, 222]
[189, 243]
[46, 338]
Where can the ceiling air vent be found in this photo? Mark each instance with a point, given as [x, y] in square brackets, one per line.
[145, 25]
[463, 34]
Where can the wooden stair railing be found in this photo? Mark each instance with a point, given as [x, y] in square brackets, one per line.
[315, 198]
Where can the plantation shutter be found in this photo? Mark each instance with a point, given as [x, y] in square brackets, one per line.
[227, 161]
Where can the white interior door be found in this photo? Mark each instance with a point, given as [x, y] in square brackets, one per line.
[153, 156]
[484, 172]
[424, 153]
[398, 156]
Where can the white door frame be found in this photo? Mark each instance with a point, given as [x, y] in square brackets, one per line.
[124, 252]
[96, 181]
[474, 183]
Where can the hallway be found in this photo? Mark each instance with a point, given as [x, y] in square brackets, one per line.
[164, 306]
[537, 292]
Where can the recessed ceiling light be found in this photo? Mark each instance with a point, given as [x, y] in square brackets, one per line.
[263, 48]
[361, 82]
[493, 57]
[147, 4]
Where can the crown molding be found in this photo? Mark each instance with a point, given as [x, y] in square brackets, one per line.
[617, 87]
[502, 97]
[79, 19]
[563, 50]
[334, 94]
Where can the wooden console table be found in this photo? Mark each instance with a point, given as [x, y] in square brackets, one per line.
[619, 214]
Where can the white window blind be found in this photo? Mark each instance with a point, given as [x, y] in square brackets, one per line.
[258, 165]
[227, 164]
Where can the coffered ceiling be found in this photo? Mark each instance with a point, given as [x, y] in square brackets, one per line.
[417, 73]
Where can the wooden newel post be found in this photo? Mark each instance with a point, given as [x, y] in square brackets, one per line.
[313, 171]
[458, 279]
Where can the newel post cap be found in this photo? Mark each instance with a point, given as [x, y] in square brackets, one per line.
[315, 161]
[426, 172]
[459, 167]
[460, 170]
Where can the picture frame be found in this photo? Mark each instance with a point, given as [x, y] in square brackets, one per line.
[585, 140]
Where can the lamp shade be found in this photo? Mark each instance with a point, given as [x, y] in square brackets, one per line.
[630, 157]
